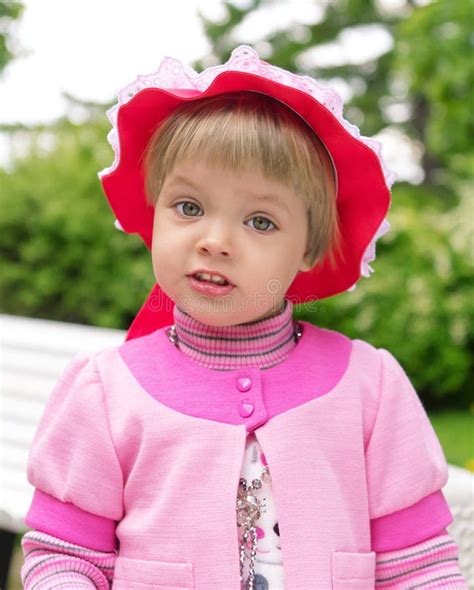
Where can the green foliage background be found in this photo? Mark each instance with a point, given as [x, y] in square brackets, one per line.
[62, 258]
[10, 11]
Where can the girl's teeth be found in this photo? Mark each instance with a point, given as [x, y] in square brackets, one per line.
[212, 278]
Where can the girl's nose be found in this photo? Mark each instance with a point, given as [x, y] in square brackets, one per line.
[212, 248]
[215, 242]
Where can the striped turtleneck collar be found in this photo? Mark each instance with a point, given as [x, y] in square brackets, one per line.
[263, 343]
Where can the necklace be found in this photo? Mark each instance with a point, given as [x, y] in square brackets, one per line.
[248, 506]
[248, 512]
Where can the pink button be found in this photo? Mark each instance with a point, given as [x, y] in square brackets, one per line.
[246, 409]
[244, 383]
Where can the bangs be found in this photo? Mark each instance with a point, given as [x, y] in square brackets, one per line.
[245, 131]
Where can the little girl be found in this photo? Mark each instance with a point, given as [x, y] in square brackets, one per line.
[225, 445]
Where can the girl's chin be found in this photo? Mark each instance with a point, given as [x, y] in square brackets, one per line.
[225, 311]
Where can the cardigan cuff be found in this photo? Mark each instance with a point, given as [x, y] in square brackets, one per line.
[411, 525]
[70, 523]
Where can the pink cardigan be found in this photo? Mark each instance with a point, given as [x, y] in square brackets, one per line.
[139, 449]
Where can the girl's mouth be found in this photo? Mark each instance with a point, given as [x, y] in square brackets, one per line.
[207, 287]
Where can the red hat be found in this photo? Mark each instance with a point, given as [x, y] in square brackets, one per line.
[363, 194]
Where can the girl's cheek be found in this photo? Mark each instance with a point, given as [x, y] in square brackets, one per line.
[163, 234]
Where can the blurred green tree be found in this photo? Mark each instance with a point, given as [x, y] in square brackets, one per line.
[10, 11]
[61, 256]
[433, 72]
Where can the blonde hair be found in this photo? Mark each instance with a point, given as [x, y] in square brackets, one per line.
[252, 131]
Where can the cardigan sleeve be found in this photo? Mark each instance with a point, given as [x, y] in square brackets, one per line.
[405, 464]
[73, 465]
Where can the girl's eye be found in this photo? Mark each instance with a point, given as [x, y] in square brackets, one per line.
[188, 208]
[262, 223]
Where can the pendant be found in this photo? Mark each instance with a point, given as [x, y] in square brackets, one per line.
[248, 508]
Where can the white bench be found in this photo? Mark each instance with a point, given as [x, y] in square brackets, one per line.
[33, 354]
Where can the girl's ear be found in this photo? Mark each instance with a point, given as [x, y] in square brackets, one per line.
[307, 263]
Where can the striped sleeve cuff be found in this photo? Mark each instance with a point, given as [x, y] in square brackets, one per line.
[52, 562]
[430, 565]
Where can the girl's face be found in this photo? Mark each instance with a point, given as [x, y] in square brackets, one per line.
[240, 225]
